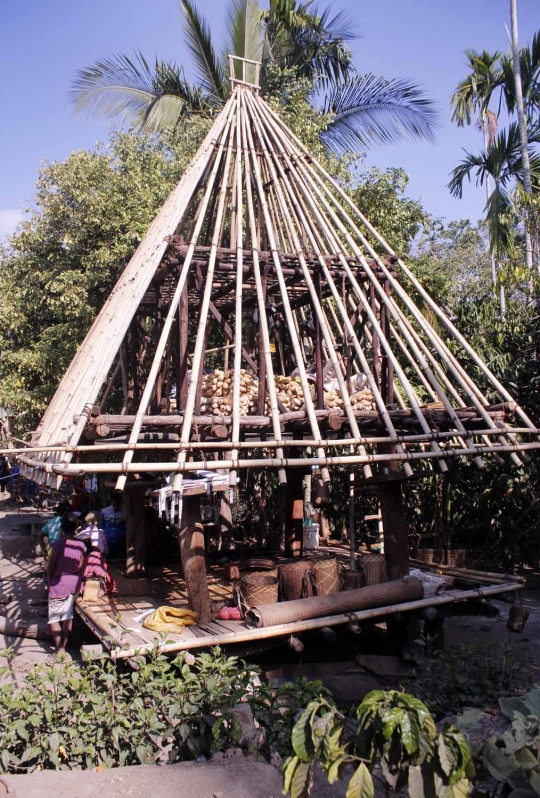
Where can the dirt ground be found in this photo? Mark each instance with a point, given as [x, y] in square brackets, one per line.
[224, 776]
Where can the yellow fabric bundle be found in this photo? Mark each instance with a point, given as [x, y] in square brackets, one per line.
[170, 619]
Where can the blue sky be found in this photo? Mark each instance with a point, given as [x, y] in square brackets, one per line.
[42, 43]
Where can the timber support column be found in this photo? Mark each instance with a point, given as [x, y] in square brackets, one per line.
[135, 532]
[191, 536]
[396, 536]
[294, 512]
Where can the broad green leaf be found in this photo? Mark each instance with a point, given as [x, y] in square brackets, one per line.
[532, 700]
[301, 737]
[446, 756]
[535, 783]
[470, 719]
[499, 764]
[526, 758]
[288, 771]
[410, 732]
[390, 719]
[416, 782]
[54, 742]
[509, 706]
[361, 783]
[334, 772]
[301, 781]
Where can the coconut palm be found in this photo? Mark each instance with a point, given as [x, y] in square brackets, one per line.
[364, 109]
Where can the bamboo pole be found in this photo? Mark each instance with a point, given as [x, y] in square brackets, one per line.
[310, 409]
[200, 342]
[316, 304]
[246, 635]
[440, 314]
[160, 348]
[263, 322]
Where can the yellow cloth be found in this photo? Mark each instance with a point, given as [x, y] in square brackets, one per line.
[170, 619]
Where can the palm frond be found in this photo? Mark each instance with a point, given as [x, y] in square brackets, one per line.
[115, 86]
[499, 218]
[473, 94]
[371, 110]
[150, 97]
[209, 70]
[464, 170]
[245, 32]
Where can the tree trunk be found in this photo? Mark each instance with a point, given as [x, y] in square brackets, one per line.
[494, 276]
[522, 122]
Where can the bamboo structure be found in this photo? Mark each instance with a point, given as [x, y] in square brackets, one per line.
[263, 322]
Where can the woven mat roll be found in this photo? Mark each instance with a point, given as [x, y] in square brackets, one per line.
[364, 598]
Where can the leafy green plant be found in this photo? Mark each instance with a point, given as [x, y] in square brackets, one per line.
[393, 732]
[70, 716]
[277, 710]
[475, 675]
[513, 759]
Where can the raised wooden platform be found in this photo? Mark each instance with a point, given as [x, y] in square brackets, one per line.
[113, 618]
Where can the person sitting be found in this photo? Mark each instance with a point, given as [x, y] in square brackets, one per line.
[95, 566]
[113, 523]
[93, 533]
[65, 563]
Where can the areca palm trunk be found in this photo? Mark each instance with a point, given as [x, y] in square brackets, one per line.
[522, 123]
[488, 194]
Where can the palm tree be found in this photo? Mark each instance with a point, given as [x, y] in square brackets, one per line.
[522, 121]
[365, 109]
[473, 95]
[502, 161]
[491, 76]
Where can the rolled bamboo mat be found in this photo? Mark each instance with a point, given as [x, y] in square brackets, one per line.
[364, 598]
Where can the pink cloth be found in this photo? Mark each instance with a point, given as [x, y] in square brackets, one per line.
[67, 573]
[95, 566]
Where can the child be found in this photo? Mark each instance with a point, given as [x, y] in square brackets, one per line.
[93, 533]
[66, 558]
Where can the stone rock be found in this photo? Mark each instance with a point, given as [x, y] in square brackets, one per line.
[243, 715]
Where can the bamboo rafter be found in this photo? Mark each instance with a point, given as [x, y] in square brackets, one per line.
[259, 259]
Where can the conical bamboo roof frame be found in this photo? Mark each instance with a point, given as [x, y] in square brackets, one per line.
[256, 219]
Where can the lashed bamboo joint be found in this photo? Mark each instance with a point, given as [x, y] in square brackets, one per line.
[263, 319]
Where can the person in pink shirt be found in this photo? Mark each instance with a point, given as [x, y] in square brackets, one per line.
[65, 563]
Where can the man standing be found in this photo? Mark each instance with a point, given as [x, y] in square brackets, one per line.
[113, 523]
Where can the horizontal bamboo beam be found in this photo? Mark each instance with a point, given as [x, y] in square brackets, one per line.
[245, 635]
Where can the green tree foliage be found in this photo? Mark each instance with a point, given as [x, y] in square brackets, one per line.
[90, 213]
[393, 731]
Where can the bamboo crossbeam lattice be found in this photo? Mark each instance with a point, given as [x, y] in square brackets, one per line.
[263, 322]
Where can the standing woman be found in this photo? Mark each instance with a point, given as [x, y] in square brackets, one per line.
[65, 564]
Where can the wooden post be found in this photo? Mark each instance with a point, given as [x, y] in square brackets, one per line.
[135, 535]
[191, 536]
[396, 538]
[294, 513]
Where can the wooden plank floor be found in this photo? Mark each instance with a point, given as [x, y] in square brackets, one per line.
[114, 618]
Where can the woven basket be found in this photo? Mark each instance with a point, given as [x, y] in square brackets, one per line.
[296, 580]
[258, 564]
[327, 576]
[373, 569]
[259, 587]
